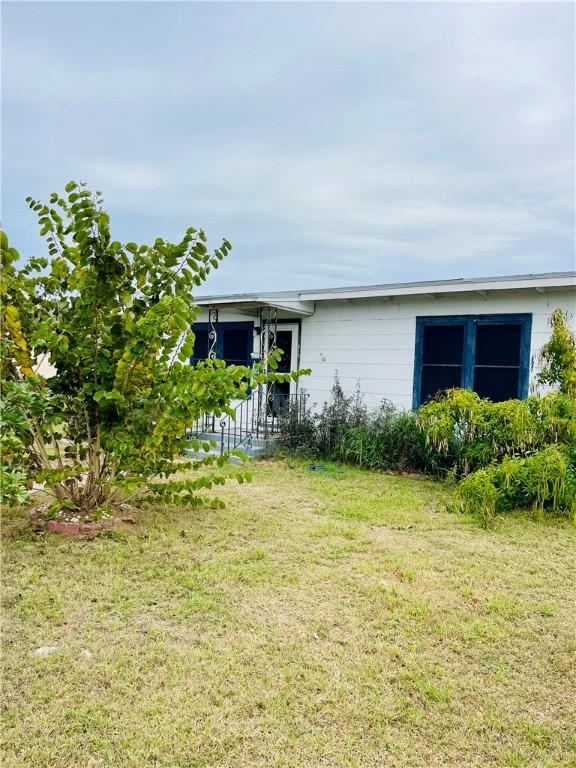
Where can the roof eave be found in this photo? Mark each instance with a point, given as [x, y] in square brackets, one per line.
[434, 289]
[292, 306]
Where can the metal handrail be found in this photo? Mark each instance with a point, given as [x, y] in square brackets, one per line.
[255, 417]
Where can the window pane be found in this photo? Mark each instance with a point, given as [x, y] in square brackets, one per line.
[498, 344]
[200, 345]
[235, 345]
[496, 383]
[443, 344]
[436, 378]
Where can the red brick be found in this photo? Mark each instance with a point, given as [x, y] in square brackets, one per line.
[62, 526]
[91, 528]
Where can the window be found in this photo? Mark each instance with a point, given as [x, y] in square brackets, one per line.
[234, 342]
[487, 353]
[201, 344]
[442, 355]
[237, 344]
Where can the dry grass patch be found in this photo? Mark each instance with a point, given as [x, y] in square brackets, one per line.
[335, 619]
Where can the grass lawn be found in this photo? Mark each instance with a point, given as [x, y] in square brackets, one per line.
[320, 619]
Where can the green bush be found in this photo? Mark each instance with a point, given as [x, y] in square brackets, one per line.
[338, 418]
[389, 440]
[345, 430]
[558, 355]
[298, 433]
[516, 454]
[469, 433]
[479, 495]
[544, 481]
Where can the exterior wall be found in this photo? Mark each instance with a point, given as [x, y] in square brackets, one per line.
[227, 316]
[372, 342]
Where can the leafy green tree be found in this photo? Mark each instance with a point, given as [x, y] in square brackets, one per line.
[558, 356]
[115, 322]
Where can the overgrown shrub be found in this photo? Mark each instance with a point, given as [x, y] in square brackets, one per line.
[509, 455]
[517, 454]
[345, 430]
[469, 433]
[115, 321]
[298, 430]
[390, 439]
[544, 481]
[558, 356]
[455, 434]
[338, 417]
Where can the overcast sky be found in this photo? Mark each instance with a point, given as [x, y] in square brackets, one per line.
[332, 143]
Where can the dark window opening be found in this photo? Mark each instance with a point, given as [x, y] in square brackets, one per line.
[486, 353]
[234, 342]
[443, 344]
[496, 384]
[436, 379]
[442, 352]
[498, 344]
[497, 361]
[235, 345]
[200, 345]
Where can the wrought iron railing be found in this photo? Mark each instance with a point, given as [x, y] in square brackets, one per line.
[257, 418]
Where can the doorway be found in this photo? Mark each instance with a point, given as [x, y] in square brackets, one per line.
[287, 339]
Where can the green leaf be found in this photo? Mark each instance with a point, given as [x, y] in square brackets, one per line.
[63, 344]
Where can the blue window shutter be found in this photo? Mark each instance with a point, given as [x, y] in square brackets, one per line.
[525, 356]
[418, 362]
[469, 353]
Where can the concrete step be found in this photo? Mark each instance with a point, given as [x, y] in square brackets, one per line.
[216, 436]
[253, 447]
[188, 453]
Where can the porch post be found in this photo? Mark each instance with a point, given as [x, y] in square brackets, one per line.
[271, 337]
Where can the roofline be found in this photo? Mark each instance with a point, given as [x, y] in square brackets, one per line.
[538, 281]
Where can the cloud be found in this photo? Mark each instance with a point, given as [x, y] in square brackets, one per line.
[328, 142]
[117, 176]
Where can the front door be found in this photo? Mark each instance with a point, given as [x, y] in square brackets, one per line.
[287, 341]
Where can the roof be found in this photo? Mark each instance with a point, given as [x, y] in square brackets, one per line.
[301, 301]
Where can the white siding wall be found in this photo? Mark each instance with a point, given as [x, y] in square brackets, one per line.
[227, 316]
[371, 342]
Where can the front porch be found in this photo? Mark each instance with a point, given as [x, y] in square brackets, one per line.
[254, 328]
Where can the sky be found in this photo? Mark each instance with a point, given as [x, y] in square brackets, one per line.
[332, 143]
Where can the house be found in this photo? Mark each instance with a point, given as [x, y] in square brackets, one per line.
[401, 342]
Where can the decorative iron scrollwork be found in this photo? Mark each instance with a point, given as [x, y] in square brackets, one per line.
[212, 333]
[272, 328]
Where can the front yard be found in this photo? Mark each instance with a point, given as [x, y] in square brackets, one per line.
[322, 619]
